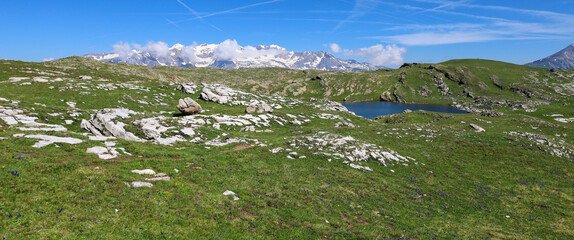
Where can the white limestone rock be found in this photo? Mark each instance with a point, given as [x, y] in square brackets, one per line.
[230, 193]
[187, 132]
[47, 140]
[259, 107]
[102, 123]
[138, 184]
[160, 177]
[144, 171]
[477, 128]
[188, 88]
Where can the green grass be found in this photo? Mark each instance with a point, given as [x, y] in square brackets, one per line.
[464, 185]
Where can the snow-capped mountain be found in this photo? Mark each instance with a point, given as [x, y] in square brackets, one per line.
[564, 59]
[229, 55]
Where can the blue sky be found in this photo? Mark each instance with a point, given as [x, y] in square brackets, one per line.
[366, 30]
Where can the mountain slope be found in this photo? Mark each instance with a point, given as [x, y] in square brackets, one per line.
[216, 55]
[564, 59]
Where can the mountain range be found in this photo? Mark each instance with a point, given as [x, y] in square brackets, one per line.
[215, 55]
[564, 59]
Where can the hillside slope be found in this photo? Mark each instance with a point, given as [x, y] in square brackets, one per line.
[91, 149]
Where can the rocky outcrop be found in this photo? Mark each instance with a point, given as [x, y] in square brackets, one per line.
[188, 106]
[346, 148]
[444, 90]
[102, 124]
[217, 93]
[387, 97]
[328, 105]
[188, 88]
[259, 107]
[344, 124]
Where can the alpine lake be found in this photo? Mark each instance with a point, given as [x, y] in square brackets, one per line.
[375, 109]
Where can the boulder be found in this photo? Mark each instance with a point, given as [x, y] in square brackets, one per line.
[188, 107]
[259, 107]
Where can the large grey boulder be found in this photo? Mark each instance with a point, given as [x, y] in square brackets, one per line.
[188, 107]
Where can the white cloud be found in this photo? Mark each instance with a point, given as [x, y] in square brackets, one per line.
[335, 47]
[380, 55]
[227, 50]
[48, 59]
[123, 50]
[157, 49]
[188, 53]
[230, 50]
[496, 23]
[439, 38]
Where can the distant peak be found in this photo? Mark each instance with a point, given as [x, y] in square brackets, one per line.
[229, 55]
[563, 59]
[177, 46]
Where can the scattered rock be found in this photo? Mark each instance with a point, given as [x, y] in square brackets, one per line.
[344, 124]
[259, 107]
[564, 120]
[16, 116]
[228, 193]
[554, 146]
[47, 140]
[151, 127]
[145, 171]
[188, 106]
[159, 177]
[188, 88]
[187, 132]
[137, 184]
[248, 129]
[345, 147]
[355, 166]
[477, 128]
[407, 111]
[103, 152]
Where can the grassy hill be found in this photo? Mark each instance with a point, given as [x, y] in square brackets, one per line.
[513, 181]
